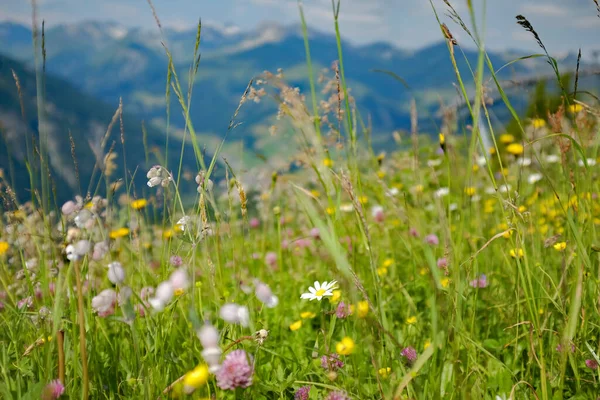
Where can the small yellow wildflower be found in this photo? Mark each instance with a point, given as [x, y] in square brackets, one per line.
[307, 315]
[470, 191]
[330, 210]
[179, 291]
[168, 233]
[445, 282]
[382, 271]
[119, 233]
[516, 253]
[388, 262]
[139, 204]
[345, 346]
[575, 108]
[538, 123]
[515, 149]
[328, 162]
[426, 344]
[411, 320]
[296, 325]
[315, 193]
[423, 271]
[196, 377]
[560, 246]
[541, 311]
[506, 138]
[381, 174]
[336, 295]
[475, 167]
[492, 150]
[4, 247]
[522, 209]
[384, 372]
[363, 199]
[363, 308]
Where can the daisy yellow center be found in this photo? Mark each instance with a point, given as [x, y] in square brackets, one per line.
[320, 292]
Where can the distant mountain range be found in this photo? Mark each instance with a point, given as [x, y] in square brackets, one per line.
[96, 63]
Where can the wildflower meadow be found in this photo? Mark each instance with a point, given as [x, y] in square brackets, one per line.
[457, 264]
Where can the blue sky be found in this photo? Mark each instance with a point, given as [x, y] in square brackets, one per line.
[564, 25]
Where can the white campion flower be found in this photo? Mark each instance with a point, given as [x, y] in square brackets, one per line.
[162, 296]
[319, 290]
[590, 162]
[105, 301]
[116, 273]
[209, 338]
[179, 279]
[533, 178]
[83, 218]
[441, 192]
[263, 293]
[235, 314]
[78, 250]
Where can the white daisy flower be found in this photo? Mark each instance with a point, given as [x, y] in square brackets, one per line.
[441, 192]
[590, 162]
[552, 158]
[533, 178]
[320, 290]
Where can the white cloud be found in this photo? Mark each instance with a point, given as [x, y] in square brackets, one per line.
[546, 10]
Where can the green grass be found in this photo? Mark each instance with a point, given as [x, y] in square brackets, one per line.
[453, 287]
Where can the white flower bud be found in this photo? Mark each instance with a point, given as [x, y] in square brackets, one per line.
[116, 273]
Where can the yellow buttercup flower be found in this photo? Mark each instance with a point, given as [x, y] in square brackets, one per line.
[363, 199]
[426, 344]
[575, 108]
[330, 210]
[560, 246]
[296, 325]
[119, 233]
[411, 320]
[4, 247]
[196, 377]
[381, 174]
[307, 315]
[515, 149]
[538, 123]
[387, 262]
[445, 282]
[470, 191]
[381, 271]
[345, 346]
[385, 372]
[139, 204]
[516, 253]
[328, 162]
[336, 295]
[363, 309]
[506, 138]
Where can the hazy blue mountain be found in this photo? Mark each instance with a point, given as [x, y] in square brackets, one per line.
[70, 114]
[107, 61]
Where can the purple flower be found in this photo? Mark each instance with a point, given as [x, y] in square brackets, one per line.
[27, 302]
[480, 282]
[432, 239]
[337, 395]
[559, 348]
[331, 362]
[409, 353]
[254, 223]
[176, 261]
[591, 364]
[302, 393]
[271, 259]
[413, 232]
[442, 262]
[342, 311]
[53, 390]
[314, 232]
[235, 371]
